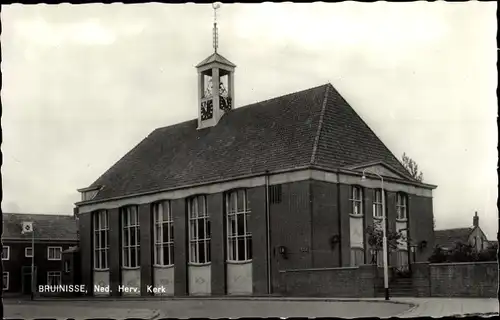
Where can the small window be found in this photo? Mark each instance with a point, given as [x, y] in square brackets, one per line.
[54, 278]
[377, 204]
[6, 253]
[401, 206]
[67, 266]
[275, 193]
[28, 252]
[5, 281]
[356, 201]
[54, 253]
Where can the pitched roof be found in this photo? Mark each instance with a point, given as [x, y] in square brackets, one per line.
[46, 226]
[447, 238]
[314, 127]
[216, 57]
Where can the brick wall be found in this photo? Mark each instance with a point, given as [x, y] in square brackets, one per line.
[329, 282]
[464, 279]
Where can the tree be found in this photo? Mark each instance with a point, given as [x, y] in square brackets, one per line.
[412, 168]
[463, 252]
[375, 238]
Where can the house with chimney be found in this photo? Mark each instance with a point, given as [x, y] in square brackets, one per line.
[474, 236]
[221, 204]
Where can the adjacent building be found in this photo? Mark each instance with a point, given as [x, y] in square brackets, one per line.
[218, 205]
[52, 235]
[474, 236]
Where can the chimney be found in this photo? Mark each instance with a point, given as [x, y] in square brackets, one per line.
[475, 221]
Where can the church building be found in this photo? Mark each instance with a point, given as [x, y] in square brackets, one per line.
[219, 205]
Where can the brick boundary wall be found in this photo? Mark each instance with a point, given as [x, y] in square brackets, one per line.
[428, 280]
[329, 282]
[478, 279]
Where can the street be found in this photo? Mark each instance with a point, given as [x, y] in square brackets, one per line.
[255, 307]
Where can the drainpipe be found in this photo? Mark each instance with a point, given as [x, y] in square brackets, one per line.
[268, 236]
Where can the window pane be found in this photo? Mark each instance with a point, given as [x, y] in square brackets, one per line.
[249, 248]
[125, 217]
[126, 238]
[248, 208]
[171, 252]
[171, 226]
[126, 255]
[201, 229]
[231, 225]
[96, 259]
[104, 239]
[241, 249]
[133, 260]
[133, 216]
[166, 256]
[97, 240]
[232, 202]
[103, 257]
[201, 206]
[208, 228]
[201, 254]
[165, 232]
[194, 257]
[241, 224]
[208, 251]
[240, 200]
[232, 249]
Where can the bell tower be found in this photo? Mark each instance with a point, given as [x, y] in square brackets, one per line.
[215, 84]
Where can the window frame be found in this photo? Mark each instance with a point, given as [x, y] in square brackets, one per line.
[26, 252]
[6, 273]
[356, 202]
[194, 219]
[100, 228]
[53, 274]
[7, 258]
[378, 203]
[401, 203]
[55, 258]
[233, 238]
[158, 238]
[126, 244]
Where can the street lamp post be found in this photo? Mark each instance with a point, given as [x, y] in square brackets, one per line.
[384, 234]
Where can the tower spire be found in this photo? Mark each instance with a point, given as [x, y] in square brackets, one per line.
[215, 6]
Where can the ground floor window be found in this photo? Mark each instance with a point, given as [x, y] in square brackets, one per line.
[357, 257]
[402, 258]
[54, 278]
[130, 237]
[199, 230]
[239, 237]
[5, 281]
[163, 234]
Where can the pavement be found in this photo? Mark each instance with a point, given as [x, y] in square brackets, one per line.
[236, 307]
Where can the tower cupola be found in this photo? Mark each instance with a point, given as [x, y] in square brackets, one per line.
[215, 84]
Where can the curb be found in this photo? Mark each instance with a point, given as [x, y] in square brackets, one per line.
[225, 298]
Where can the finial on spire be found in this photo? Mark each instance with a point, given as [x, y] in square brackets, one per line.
[215, 6]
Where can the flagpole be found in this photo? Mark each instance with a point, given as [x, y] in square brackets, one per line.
[32, 263]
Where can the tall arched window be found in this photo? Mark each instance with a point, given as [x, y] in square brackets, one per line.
[101, 239]
[199, 230]
[401, 206]
[163, 234]
[239, 238]
[130, 237]
[356, 200]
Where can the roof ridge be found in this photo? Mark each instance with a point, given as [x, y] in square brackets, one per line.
[252, 104]
[320, 125]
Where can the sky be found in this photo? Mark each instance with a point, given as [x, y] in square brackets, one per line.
[83, 84]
